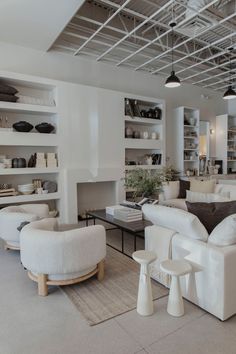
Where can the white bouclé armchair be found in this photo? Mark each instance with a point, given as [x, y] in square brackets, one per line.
[11, 218]
[62, 257]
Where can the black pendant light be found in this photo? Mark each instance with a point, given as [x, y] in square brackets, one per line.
[230, 92]
[172, 81]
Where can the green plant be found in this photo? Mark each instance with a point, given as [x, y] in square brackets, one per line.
[148, 183]
[145, 183]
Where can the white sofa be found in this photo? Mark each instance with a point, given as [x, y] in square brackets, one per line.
[11, 218]
[212, 284]
[169, 196]
[62, 258]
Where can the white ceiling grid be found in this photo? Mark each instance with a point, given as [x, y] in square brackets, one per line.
[136, 34]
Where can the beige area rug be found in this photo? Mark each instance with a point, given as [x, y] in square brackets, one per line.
[116, 294]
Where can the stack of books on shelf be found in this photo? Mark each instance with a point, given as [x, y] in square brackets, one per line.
[128, 214]
[8, 192]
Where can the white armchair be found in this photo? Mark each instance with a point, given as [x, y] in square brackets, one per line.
[62, 258]
[11, 218]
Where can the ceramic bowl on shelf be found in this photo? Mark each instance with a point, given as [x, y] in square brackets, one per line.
[26, 188]
[45, 128]
[23, 127]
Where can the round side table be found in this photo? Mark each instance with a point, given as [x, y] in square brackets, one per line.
[175, 268]
[145, 301]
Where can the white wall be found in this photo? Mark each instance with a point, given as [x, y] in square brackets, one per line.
[80, 70]
[232, 107]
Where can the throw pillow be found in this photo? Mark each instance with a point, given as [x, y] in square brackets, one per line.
[23, 224]
[170, 190]
[197, 197]
[202, 186]
[7, 89]
[183, 187]
[224, 234]
[211, 214]
[175, 219]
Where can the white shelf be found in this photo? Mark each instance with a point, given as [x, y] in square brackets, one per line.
[27, 108]
[143, 167]
[29, 198]
[190, 149]
[190, 126]
[190, 137]
[143, 121]
[28, 139]
[27, 171]
[190, 160]
[143, 144]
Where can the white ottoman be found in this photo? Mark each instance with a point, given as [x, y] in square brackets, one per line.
[175, 268]
[145, 301]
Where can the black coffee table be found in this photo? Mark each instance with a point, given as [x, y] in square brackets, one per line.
[135, 228]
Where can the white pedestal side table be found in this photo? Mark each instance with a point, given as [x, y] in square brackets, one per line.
[175, 268]
[145, 301]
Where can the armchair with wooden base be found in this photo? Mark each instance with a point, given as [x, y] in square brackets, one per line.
[62, 258]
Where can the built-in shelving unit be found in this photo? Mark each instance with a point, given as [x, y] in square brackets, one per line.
[144, 134]
[41, 95]
[186, 122]
[226, 142]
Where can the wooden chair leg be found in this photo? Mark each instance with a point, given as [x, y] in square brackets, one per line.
[42, 285]
[100, 273]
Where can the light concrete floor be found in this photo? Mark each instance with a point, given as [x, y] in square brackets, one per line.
[34, 325]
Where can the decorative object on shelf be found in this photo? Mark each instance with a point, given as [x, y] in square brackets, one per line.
[40, 160]
[18, 162]
[136, 109]
[157, 113]
[154, 136]
[7, 93]
[172, 81]
[136, 134]
[26, 189]
[145, 135]
[7, 163]
[50, 186]
[230, 92]
[143, 113]
[156, 159]
[128, 108]
[37, 101]
[148, 160]
[37, 183]
[5, 186]
[128, 132]
[51, 159]
[23, 127]
[45, 128]
[32, 161]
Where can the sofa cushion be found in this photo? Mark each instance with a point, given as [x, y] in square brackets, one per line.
[202, 186]
[179, 220]
[224, 234]
[170, 190]
[183, 187]
[211, 214]
[175, 203]
[196, 197]
[226, 190]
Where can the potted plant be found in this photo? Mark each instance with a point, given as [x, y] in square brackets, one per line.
[148, 183]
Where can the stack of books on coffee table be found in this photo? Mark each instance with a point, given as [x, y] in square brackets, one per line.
[128, 214]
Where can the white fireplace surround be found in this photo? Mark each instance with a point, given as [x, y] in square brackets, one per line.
[74, 176]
